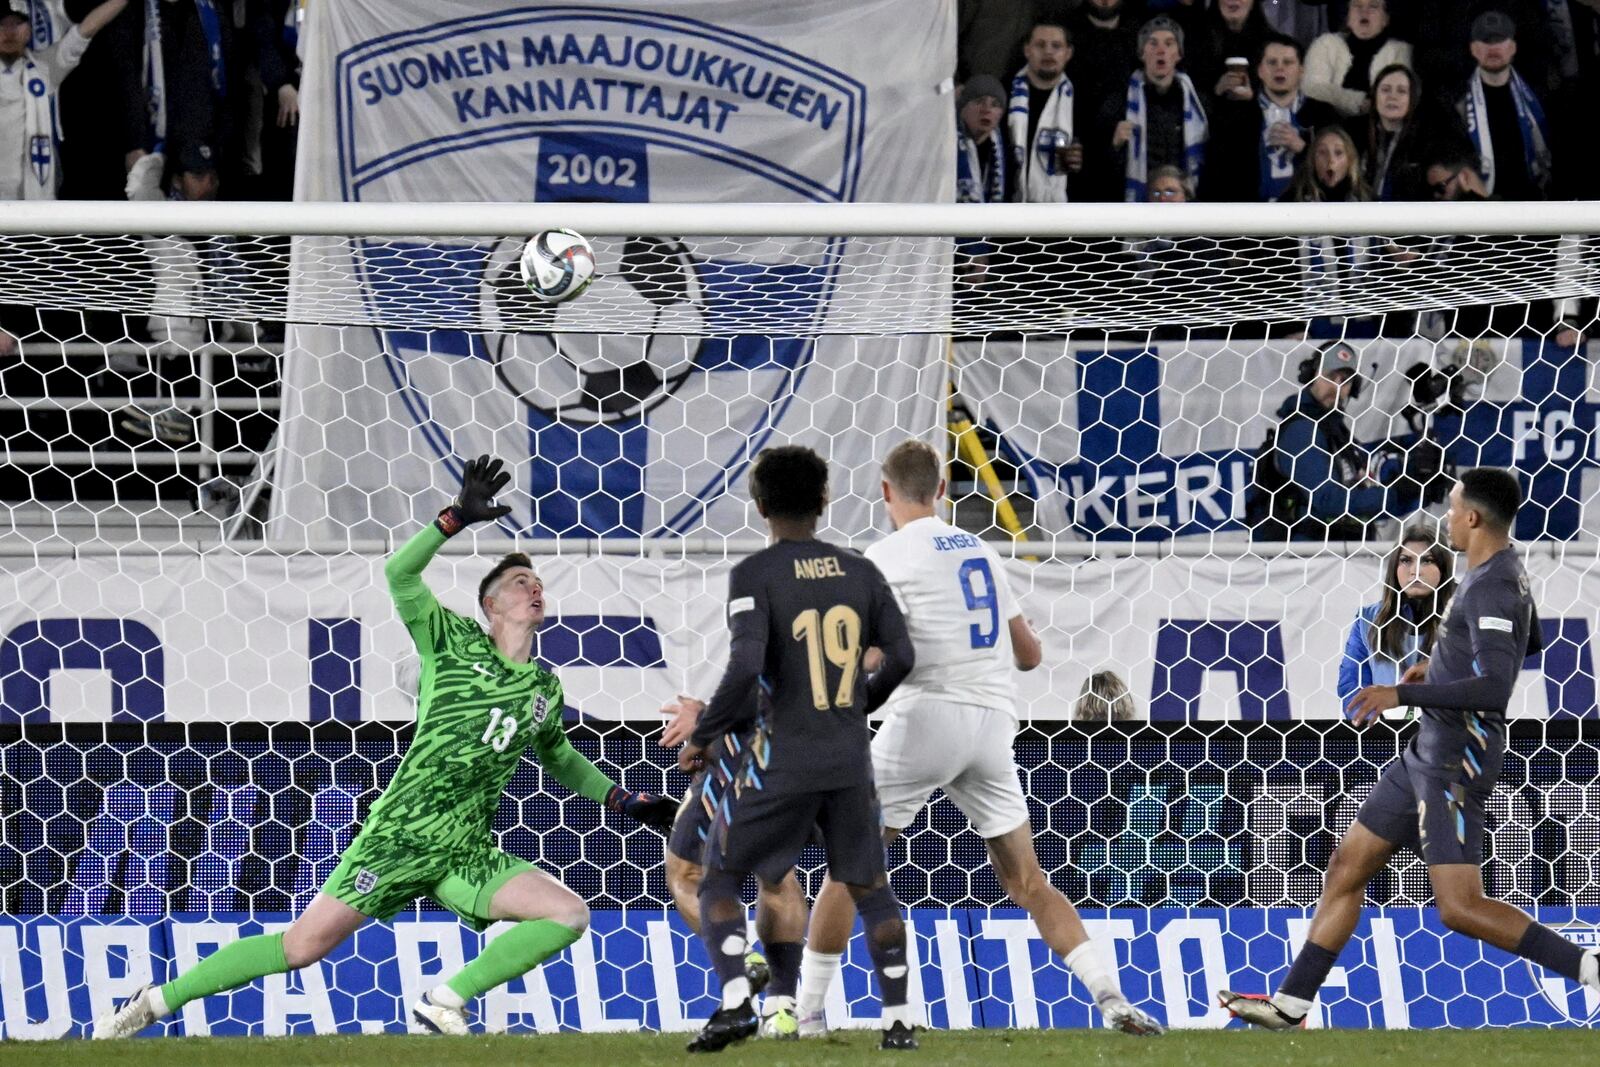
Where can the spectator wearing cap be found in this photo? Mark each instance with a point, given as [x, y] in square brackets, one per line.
[1105, 39]
[1163, 119]
[980, 144]
[1311, 479]
[1340, 66]
[1504, 116]
[29, 135]
[202, 82]
[1040, 118]
[1256, 143]
[1442, 34]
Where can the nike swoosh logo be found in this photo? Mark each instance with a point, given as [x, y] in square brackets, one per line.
[481, 669]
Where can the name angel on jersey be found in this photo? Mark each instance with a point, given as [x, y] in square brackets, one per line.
[818, 567]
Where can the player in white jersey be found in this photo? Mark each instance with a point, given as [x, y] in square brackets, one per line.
[950, 725]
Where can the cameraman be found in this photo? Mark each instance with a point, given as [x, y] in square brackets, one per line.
[1312, 481]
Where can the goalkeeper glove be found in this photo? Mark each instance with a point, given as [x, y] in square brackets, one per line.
[647, 808]
[481, 480]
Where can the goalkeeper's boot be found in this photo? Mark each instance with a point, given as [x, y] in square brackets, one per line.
[439, 1018]
[727, 1026]
[778, 1021]
[899, 1038]
[1259, 1010]
[757, 972]
[127, 1018]
[1125, 1018]
[813, 1025]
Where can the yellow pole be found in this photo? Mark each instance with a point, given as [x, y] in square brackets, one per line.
[969, 448]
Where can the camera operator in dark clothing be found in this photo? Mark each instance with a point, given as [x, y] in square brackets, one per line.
[1312, 481]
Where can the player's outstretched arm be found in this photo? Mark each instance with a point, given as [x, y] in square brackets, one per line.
[481, 480]
[573, 770]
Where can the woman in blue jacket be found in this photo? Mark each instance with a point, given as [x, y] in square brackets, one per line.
[1397, 631]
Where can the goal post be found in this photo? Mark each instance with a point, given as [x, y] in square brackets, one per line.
[219, 418]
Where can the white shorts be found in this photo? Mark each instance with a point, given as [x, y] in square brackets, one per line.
[962, 749]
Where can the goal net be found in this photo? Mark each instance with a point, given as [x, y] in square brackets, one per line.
[221, 418]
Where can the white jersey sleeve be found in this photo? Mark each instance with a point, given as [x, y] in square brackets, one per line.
[958, 605]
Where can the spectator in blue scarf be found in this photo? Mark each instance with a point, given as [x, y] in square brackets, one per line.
[1398, 630]
[1504, 116]
[981, 163]
[1257, 142]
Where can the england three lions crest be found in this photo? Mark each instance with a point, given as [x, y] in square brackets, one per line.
[632, 409]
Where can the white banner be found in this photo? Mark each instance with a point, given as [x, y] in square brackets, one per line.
[230, 638]
[1153, 441]
[766, 101]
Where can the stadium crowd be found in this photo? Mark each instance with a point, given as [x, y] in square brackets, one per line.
[1263, 100]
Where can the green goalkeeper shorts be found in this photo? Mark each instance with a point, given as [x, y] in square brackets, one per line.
[380, 876]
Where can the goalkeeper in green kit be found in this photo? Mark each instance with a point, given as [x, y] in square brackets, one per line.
[482, 701]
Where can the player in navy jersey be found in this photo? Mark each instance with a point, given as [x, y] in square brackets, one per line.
[950, 725]
[1432, 798]
[800, 614]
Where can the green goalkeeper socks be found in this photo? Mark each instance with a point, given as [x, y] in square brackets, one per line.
[514, 953]
[229, 967]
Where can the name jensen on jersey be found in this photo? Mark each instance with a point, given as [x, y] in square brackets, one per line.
[955, 542]
[818, 567]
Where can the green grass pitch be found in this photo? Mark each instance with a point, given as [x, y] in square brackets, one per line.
[991, 1048]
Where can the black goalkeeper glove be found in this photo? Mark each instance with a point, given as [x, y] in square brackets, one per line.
[660, 812]
[481, 481]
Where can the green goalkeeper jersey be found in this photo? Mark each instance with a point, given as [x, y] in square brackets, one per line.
[477, 711]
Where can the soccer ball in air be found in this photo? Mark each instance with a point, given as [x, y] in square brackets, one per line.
[557, 265]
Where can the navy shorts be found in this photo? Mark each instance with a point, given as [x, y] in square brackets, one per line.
[724, 762]
[693, 824]
[1441, 818]
[763, 831]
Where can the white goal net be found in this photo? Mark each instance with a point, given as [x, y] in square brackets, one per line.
[220, 418]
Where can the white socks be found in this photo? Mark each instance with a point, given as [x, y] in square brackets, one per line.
[1092, 971]
[817, 973]
[156, 1002]
[899, 1014]
[1293, 1007]
[446, 997]
[736, 992]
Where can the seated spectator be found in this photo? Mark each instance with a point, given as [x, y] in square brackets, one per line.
[1390, 135]
[1228, 29]
[1039, 119]
[1163, 120]
[1504, 117]
[1104, 698]
[1168, 185]
[1398, 630]
[1104, 49]
[1257, 142]
[1453, 176]
[29, 80]
[980, 144]
[1340, 66]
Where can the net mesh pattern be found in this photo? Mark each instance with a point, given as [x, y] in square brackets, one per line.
[211, 444]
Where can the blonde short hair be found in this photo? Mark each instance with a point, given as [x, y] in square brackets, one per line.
[1104, 698]
[914, 468]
